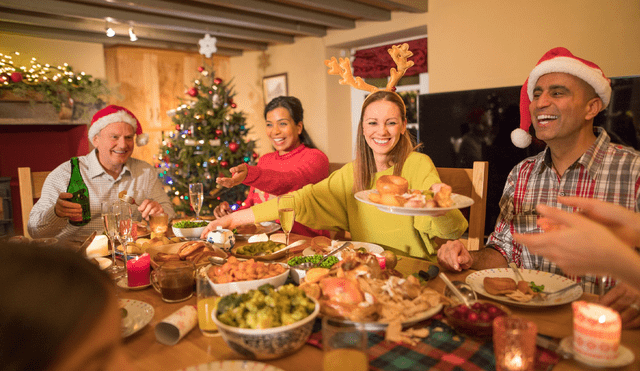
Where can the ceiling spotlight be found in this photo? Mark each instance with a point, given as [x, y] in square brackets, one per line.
[110, 32]
[132, 35]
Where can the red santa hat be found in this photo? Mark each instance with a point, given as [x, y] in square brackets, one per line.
[558, 60]
[113, 113]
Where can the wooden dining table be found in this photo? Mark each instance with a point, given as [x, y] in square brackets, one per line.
[195, 348]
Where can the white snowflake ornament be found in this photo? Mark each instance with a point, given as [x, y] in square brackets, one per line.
[208, 45]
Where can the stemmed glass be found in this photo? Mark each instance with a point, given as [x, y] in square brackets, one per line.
[124, 222]
[196, 196]
[110, 229]
[286, 213]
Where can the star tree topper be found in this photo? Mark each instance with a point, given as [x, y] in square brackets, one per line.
[208, 45]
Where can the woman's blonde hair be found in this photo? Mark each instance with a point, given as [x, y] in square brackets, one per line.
[364, 168]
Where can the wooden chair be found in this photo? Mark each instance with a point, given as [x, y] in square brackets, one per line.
[30, 185]
[471, 183]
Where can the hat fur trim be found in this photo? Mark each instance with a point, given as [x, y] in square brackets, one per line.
[103, 122]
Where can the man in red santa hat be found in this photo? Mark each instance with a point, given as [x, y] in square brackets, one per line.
[561, 97]
[107, 171]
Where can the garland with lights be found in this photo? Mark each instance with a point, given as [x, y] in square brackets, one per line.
[55, 85]
[209, 139]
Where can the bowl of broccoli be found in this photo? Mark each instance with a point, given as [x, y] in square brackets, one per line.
[297, 274]
[266, 323]
[191, 229]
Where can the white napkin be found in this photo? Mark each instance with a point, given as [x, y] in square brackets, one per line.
[98, 247]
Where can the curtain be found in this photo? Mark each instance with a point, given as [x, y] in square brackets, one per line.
[376, 62]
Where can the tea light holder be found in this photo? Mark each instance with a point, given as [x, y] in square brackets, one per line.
[596, 331]
[514, 343]
[138, 271]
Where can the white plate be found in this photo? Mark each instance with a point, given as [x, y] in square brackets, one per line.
[552, 282]
[371, 248]
[264, 227]
[232, 366]
[459, 202]
[379, 326]
[139, 314]
[625, 355]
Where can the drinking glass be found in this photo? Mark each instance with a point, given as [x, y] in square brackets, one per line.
[196, 196]
[207, 303]
[110, 229]
[124, 223]
[286, 213]
[344, 345]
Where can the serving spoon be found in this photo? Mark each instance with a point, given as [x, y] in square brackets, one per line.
[216, 260]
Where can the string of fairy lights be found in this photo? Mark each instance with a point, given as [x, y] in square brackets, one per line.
[35, 72]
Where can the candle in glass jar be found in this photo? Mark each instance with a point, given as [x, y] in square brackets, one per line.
[513, 361]
[138, 271]
[596, 331]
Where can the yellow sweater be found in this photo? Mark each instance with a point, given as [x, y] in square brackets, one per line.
[330, 204]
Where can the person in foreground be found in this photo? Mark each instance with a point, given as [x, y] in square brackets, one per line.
[294, 163]
[561, 97]
[58, 311]
[609, 232]
[384, 147]
[107, 170]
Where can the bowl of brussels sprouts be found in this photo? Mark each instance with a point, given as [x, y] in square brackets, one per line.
[191, 229]
[266, 323]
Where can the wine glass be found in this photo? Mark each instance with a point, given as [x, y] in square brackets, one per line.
[110, 229]
[196, 196]
[286, 213]
[124, 222]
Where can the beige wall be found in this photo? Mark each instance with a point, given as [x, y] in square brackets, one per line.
[81, 56]
[472, 45]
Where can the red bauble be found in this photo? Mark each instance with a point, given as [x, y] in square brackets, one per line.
[233, 147]
[218, 132]
[224, 164]
[200, 69]
[193, 92]
[16, 77]
[254, 155]
[177, 127]
[233, 105]
[217, 81]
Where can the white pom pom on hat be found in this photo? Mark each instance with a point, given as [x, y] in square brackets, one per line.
[113, 113]
[558, 60]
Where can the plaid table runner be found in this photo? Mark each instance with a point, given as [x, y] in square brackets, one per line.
[443, 350]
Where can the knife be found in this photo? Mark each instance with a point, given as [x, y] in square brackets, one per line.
[86, 243]
[430, 274]
[549, 343]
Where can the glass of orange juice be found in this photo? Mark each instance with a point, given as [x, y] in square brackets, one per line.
[344, 345]
[207, 303]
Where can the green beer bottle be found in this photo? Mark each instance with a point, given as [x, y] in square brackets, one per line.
[80, 193]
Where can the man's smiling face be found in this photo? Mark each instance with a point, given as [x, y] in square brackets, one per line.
[115, 145]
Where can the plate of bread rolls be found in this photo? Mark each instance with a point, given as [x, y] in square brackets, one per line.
[196, 251]
[392, 195]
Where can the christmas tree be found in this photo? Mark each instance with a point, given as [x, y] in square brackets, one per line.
[209, 139]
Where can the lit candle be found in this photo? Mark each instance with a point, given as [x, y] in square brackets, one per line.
[138, 270]
[596, 331]
[513, 361]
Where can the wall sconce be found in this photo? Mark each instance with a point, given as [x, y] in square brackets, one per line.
[109, 31]
[132, 35]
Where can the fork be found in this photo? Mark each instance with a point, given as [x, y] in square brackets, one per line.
[575, 284]
[516, 270]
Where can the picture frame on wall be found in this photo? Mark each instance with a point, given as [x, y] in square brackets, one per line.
[274, 86]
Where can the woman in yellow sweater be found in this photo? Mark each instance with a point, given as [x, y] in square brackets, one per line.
[384, 147]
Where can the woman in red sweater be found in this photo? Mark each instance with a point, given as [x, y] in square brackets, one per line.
[294, 163]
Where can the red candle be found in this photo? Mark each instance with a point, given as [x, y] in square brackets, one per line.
[138, 270]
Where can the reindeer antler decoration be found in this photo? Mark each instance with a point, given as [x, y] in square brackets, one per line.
[343, 68]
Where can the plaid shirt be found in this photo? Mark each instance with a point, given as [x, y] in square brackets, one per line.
[606, 171]
[138, 178]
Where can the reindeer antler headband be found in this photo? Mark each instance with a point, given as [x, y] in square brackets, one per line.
[399, 53]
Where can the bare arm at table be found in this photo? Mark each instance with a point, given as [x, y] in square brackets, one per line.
[231, 221]
[454, 256]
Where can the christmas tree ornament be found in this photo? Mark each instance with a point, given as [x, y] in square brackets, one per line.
[224, 164]
[233, 147]
[215, 142]
[217, 81]
[212, 160]
[233, 105]
[193, 92]
[16, 77]
[208, 45]
[254, 155]
[215, 99]
[200, 69]
[189, 142]
[218, 132]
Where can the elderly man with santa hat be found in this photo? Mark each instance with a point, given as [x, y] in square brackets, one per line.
[107, 171]
[561, 97]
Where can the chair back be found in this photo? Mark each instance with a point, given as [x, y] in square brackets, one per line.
[30, 185]
[471, 183]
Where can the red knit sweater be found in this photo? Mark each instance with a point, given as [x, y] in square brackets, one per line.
[276, 175]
